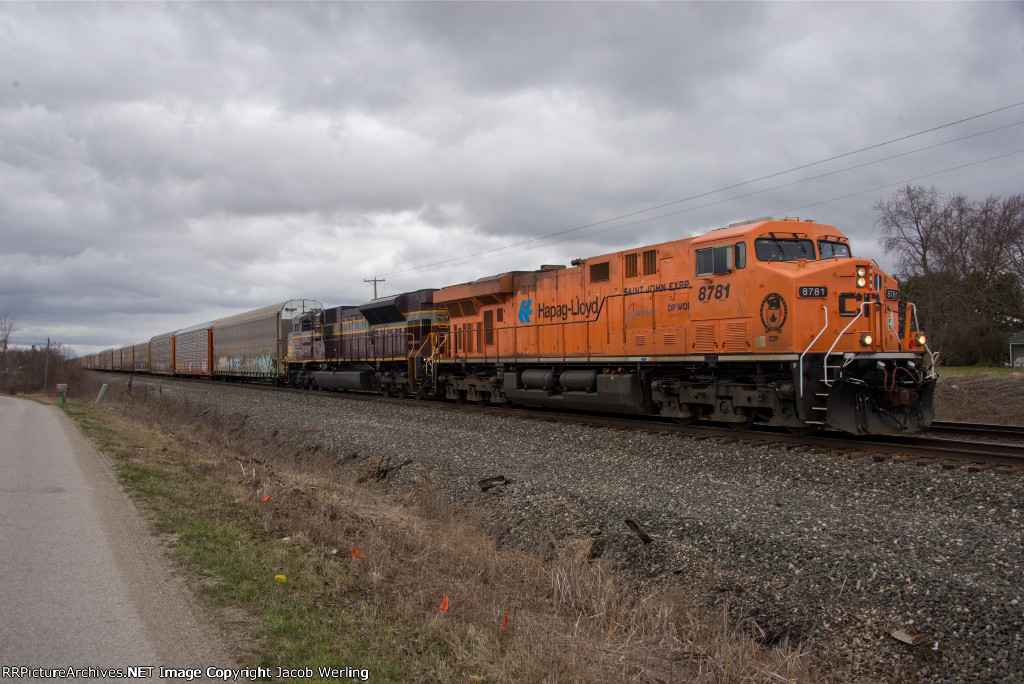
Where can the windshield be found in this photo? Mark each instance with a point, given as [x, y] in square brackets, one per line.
[833, 249]
[783, 249]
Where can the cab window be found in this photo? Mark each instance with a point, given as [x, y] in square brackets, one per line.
[783, 249]
[829, 249]
[714, 260]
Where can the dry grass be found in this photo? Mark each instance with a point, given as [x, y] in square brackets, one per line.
[980, 397]
[569, 620]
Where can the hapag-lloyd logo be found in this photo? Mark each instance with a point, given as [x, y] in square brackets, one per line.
[577, 308]
[525, 311]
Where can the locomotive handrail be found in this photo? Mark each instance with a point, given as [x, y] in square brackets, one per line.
[411, 368]
[441, 340]
[917, 326]
[800, 362]
[840, 336]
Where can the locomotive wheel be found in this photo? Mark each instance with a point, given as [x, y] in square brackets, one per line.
[402, 393]
[743, 424]
[685, 420]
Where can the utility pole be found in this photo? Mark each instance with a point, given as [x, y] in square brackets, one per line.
[374, 280]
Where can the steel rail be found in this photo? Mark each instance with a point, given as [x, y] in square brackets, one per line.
[984, 429]
[917, 445]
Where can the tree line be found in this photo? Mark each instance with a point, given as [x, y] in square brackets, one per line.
[961, 261]
[25, 371]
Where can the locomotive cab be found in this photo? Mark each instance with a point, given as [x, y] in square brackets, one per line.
[854, 365]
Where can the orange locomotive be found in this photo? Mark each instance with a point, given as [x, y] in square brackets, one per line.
[772, 321]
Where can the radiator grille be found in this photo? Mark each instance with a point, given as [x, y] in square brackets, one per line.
[704, 338]
[670, 338]
[629, 264]
[651, 262]
[736, 337]
[640, 340]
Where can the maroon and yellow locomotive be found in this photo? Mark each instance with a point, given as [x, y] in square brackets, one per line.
[373, 347]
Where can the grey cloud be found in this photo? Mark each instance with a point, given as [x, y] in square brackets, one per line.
[197, 157]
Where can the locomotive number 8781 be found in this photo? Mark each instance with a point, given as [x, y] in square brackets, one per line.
[772, 321]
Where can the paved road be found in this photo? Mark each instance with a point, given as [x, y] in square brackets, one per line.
[82, 583]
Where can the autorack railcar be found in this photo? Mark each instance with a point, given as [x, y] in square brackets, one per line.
[254, 344]
[193, 350]
[140, 357]
[161, 354]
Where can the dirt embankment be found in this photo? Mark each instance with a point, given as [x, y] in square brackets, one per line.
[981, 398]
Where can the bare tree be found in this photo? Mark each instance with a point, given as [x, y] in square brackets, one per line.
[1011, 221]
[962, 262]
[911, 222]
[6, 328]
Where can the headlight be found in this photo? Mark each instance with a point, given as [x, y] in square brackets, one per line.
[866, 339]
[862, 281]
[920, 339]
[862, 271]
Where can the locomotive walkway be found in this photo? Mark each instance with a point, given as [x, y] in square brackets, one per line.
[84, 585]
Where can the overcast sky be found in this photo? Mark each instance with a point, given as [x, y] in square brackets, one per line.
[164, 165]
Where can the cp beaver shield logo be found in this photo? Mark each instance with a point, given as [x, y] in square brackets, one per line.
[773, 313]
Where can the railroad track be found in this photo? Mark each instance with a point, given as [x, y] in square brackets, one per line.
[921, 446]
[929, 447]
[980, 429]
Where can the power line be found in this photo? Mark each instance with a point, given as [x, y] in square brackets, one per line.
[908, 180]
[788, 211]
[776, 174]
[723, 189]
[748, 194]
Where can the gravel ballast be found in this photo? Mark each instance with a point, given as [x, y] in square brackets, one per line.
[821, 548]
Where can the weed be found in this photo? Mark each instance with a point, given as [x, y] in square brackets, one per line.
[366, 570]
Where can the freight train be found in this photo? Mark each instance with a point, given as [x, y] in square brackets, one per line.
[771, 321]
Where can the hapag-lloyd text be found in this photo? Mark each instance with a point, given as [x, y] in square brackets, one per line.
[576, 308]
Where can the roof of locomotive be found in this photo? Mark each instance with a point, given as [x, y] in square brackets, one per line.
[762, 226]
[784, 226]
[421, 296]
[389, 308]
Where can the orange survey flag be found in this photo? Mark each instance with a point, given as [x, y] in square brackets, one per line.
[444, 604]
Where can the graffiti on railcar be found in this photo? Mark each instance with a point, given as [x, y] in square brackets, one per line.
[263, 364]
